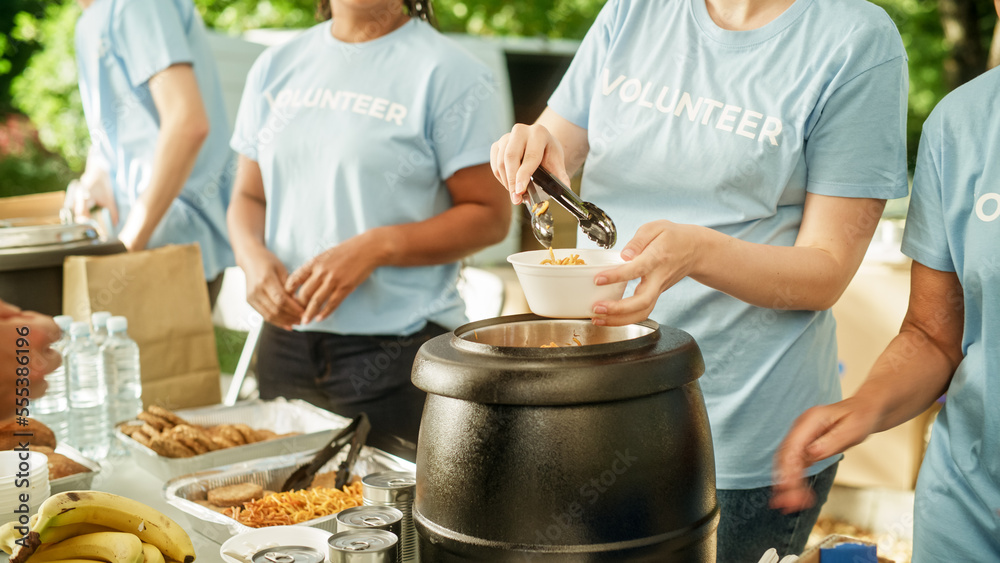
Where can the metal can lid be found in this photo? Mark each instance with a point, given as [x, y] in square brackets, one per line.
[363, 541]
[288, 554]
[370, 516]
[389, 487]
[394, 480]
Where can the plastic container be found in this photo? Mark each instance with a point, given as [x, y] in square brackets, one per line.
[89, 429]
[120, 364]
[52, 408]
[567, 292]
[99, 327]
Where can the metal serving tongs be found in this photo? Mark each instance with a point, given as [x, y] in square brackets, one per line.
[541, 218]
[594, 222]
[355, 434]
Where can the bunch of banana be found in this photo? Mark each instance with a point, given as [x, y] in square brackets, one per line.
[95, 526]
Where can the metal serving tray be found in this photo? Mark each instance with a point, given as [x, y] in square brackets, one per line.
[79, 481]
[282, 416]
[269, 473]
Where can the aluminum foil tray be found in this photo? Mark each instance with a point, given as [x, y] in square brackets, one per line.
[79, 481]
[316, 425]
[269, 473]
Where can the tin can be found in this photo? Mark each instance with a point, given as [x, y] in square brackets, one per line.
[363, 546]
[395, 489]
[373, 518]
[288, 554]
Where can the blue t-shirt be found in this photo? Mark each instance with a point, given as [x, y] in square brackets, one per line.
[954, 226]
[120, 46]
[353, 136]
[730, 129]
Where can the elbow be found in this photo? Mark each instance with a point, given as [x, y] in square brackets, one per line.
[497, 228]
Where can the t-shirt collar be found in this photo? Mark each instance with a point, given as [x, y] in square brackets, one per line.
[387, 38]
[745, 38]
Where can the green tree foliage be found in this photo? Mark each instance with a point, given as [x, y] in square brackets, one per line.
[46, 89]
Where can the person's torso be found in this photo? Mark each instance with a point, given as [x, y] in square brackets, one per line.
[346, 145]
[698, 125]
[125, 126]
[967, 142]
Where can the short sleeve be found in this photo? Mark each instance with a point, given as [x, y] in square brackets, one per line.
[465, 126]
[858, 146]
[150, 36]
[925, 238]
[250, 115]
[572, 97]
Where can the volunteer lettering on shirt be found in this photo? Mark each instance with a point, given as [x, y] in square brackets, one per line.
[697, 109]
[983, 204]
[339, 100]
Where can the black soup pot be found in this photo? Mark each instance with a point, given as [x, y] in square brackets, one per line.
[597, 450]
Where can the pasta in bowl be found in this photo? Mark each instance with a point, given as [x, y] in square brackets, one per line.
[559, 283]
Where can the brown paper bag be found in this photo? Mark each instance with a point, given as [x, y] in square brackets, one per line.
[162, 293]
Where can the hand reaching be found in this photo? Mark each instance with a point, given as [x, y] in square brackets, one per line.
[817, 434]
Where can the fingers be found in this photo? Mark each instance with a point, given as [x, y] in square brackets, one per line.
[627, 311]
[316, 298]
[796, 454]
[534, 151]
[8, 309]
[513, 159]
[333, 302]
[643, 237]
[43, 329]
[294, 281]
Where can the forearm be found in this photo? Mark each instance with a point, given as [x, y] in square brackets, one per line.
[446, 237]
[773, 277]
[176, 152]
[245, 220]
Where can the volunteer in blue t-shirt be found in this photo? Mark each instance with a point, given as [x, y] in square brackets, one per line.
[363, 179]
[744, 150]
[948, 341]
[153, 102]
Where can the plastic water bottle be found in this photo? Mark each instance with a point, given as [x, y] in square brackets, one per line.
[89, 431]
[120, 365]
[99, 332]
[53, 407]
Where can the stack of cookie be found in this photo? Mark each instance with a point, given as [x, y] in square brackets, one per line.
[171, 436]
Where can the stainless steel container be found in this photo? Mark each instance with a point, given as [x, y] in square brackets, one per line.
[395, 489]
[598, 450]
[363, 546]
[384, 518]
[31, 259]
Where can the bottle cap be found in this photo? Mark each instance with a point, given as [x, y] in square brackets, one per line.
[63, 322]
[79, 329]
[117, 324]
[100, 318]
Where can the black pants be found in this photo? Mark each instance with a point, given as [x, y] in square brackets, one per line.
[347, 374]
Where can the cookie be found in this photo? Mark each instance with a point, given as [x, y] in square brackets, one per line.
[167, 415]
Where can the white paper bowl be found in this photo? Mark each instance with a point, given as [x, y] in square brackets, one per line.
[566, 292]
[251, 542]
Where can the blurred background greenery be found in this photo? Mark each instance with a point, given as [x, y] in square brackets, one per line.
[43, 137]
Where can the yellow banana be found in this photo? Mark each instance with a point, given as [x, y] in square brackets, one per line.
[55, 534]
[150, 554]
[118, 513]
[7, 537]
[113, 547]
